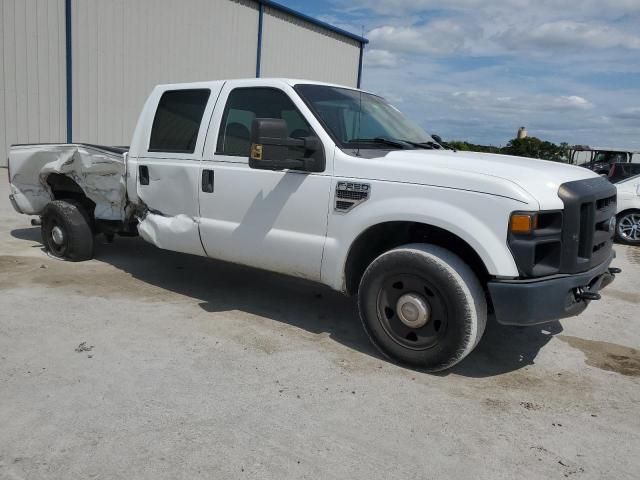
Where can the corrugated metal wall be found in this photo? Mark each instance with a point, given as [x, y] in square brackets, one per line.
[32, 73]
[294, 48]
[122, 48]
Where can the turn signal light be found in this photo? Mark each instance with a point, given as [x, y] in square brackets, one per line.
[523, 223]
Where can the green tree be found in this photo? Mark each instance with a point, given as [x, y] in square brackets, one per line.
[471, 147]
[533, 147]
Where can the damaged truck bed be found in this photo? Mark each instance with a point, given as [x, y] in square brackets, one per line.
[37, 171]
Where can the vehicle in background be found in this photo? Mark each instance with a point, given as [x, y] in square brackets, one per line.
[619, 172]
[600, 160]
[335, 185]
[626, 178]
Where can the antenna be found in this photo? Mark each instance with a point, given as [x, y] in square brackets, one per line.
[359, 107]
[359, 119]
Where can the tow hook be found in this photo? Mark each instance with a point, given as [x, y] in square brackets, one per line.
[589, 296]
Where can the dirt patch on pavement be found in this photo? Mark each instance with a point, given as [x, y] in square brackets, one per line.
[633, 255]
[607, 356]
[88, 278]
[630, 297]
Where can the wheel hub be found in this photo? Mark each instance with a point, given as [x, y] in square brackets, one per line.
[629, 227]
[413, 310]
[57, 235]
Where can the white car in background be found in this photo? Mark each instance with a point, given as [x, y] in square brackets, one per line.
[626, 178]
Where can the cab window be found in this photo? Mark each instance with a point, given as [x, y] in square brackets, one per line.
[177, 121]
[246, 104]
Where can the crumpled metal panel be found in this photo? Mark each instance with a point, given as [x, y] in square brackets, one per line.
[100, 174]
[179, 233]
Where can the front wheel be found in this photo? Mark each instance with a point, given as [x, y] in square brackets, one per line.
[421, 305]
[66, 231]
[628, 227]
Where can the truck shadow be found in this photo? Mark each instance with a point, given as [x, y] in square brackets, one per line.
[220, 287]
[505, 349]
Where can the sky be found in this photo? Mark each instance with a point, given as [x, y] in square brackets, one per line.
[476, 70]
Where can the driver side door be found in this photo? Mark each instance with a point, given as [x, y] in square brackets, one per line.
[276, 220]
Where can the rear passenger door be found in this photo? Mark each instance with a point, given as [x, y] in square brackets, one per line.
[168, 166]
[275, 220]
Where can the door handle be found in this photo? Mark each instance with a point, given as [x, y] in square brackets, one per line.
[143, 174]
[207, 181]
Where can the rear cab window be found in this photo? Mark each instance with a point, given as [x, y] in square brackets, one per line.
[177, 121]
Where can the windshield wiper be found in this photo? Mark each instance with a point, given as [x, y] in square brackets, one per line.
[426, 145]
[382, 140]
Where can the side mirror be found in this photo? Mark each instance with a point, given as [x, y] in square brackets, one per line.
[273, 149]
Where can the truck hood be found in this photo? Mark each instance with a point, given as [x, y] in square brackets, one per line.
[524, 179]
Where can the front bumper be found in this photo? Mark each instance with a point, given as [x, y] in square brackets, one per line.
[530, 302]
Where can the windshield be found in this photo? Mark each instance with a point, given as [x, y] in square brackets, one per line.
[623, 171]
[610, 157]
[354, 118]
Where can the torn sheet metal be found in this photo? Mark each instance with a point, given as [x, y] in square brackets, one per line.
[179, 233]
[100, 173]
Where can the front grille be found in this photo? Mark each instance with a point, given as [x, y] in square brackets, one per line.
[605, 202]
[586, 239]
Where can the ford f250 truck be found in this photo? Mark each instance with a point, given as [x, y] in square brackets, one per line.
[335, 185]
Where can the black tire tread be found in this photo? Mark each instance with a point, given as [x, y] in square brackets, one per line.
[77, 224]
[460, 273]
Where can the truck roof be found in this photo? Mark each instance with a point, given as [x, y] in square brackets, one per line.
[258, 81]
[586, 148]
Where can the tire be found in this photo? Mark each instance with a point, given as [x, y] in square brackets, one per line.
[448, 290]
[66, 231]
[628, 227]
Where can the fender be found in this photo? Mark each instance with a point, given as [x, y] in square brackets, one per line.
[479, 219]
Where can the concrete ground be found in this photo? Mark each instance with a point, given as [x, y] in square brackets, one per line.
[150, 364]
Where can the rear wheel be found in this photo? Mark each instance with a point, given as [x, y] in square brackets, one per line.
[628, 227]
[421, 305]
[66, 231]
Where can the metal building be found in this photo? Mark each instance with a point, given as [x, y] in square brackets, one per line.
[80, 70]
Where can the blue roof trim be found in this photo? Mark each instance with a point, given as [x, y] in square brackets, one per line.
[68, 69]
[319, 23]
[259, 51]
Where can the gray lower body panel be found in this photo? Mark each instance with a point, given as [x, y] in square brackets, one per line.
[530, 302]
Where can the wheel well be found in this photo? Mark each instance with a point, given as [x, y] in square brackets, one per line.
[65, 188]
[627, 211]
[383, 237]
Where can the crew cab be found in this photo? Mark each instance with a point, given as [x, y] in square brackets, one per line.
[337, 186]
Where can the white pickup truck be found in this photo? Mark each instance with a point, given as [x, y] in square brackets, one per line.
[335, 185]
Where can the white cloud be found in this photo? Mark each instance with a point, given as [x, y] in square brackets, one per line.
[568, 34]
[479, 69]
[517, 8]
[632, 114]
[517, 104]
[572, 101]
[380, 58]
[439, 37]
